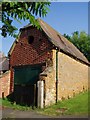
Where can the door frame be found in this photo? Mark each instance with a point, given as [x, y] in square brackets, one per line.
[35, 102]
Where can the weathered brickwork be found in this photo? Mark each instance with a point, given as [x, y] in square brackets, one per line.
[25, 53]
[5, 84]
[29, 54]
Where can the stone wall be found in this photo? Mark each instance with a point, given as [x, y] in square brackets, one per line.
[5, 84]
[48, 76]
[50, 89]
[72, 78]
[0, 88]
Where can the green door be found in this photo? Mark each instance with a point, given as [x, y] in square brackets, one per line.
[25, 84]
[26, 75]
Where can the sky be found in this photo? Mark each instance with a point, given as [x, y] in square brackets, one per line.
[65, 17]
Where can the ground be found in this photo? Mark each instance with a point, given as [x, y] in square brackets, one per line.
[76, 107]
[11, 113]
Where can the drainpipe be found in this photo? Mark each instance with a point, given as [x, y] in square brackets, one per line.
[56, 75]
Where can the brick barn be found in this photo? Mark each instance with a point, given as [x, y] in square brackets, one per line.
[45, 67]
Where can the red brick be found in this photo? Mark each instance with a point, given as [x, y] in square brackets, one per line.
[27, 54]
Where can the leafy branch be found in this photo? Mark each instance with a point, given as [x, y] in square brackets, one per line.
[21, 11]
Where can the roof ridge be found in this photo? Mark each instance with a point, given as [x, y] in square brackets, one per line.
[66, 45]
[59, 41]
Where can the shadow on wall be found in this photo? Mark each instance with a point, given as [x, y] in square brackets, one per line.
[23, 100]
[11, 97]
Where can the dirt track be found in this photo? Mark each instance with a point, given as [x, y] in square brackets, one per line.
[11, 113]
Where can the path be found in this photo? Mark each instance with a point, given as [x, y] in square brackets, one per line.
[11, 113]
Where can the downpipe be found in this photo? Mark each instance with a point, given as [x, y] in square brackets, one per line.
[56, 75]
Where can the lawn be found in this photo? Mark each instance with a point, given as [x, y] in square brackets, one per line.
[0, 101]
[74, 106]
[7, 103]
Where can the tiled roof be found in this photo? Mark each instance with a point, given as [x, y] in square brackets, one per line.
[59, 41]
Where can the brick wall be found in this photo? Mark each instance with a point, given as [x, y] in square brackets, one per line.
[27, 54]
[5, 84]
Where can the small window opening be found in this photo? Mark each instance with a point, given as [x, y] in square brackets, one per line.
[30, 39]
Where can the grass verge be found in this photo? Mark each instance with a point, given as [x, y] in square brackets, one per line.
[0, 101]
[74, 106]
[7, 103]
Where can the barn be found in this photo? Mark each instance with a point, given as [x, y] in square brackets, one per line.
[45, 67]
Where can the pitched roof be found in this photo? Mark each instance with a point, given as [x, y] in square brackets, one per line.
[59, 41]
[4, 63]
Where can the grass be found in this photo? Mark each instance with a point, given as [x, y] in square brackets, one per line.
[74, 106]
[7, 103]
[0, 101]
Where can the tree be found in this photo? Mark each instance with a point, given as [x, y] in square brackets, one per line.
[67, 36]
[21, 11]
[81, 41]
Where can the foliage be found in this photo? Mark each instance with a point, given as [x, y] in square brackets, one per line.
[81, 41]
[21, 11]
[67, 36]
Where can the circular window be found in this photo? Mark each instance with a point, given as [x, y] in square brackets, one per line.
[30, 39]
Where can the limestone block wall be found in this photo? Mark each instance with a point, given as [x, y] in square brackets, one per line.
[49, 78]
[72, 76]
[5, 84]
[50, 89]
